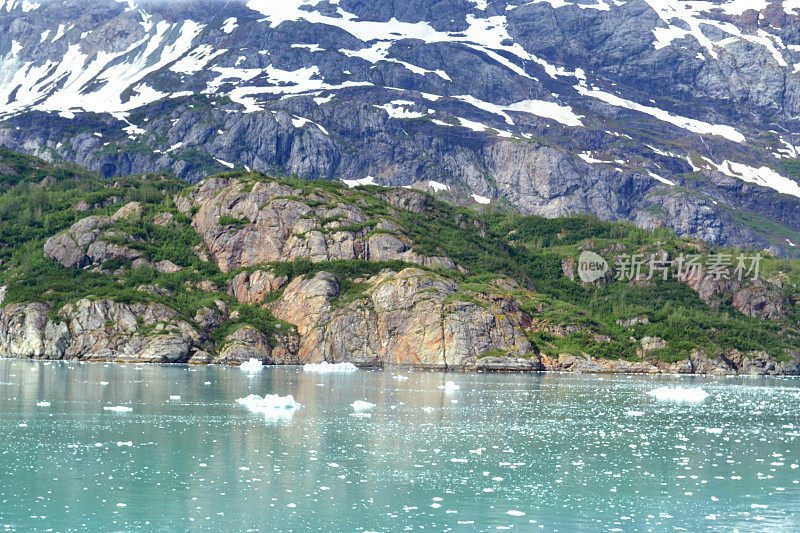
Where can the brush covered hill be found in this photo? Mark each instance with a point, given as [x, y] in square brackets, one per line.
[244, 265]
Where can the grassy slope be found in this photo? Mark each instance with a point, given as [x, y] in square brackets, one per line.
[489, 243]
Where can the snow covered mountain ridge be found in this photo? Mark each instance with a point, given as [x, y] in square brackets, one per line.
[676, 113]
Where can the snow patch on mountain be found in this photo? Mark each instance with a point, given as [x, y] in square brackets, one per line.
[696, 126]
[763, 176]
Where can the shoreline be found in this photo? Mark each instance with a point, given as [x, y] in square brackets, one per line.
[591, 366]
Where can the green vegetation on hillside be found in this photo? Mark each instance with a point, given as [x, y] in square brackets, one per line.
[39, 200]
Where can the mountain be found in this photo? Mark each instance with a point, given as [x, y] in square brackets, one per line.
[289, 271]
[671, 113]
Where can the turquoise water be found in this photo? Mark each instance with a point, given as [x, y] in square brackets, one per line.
[526, 452]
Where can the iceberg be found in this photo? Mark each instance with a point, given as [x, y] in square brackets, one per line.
[361, 405]
[251, 366]
[118, 409]
[271, 405]
[43, 404]
[679, 394]
[449, 387]
[326, 367]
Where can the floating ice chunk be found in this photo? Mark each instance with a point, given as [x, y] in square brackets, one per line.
[634, 413]
[175, 397]
[271, 405]
[400, 377]
[449, 387]
[361, 405]
[679, 394]
[253, 365]
[43, 404]
[515, 513]
[128, 444]
[325, 367]
[428, 409]
[118, 409]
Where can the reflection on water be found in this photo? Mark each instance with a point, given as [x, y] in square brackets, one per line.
[525, 451]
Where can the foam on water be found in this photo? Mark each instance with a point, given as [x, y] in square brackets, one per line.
[679, 394]
[326, 367]
[271, 405]
[253, 365]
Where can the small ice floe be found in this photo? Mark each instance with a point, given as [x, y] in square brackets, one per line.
[679, 394]
[449, 387]
[251, 366]
[361, 405]
[515, 513]
[128, 444]
[271, 405]
[428, 409]
[634, 413]
[118, 409]
[400, 377]
[43, 404]
[174, 397]
[326, 367]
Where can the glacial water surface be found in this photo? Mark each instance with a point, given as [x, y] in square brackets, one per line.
[520, 452]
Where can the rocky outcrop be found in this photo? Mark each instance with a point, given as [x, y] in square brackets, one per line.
[410, 317]
[249, 223]
[734, 363]
[244, 344]
[756, 298]
[100, 330]
[252, 287]
[83, 244]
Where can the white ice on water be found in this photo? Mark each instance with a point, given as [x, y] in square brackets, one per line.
[450, 386]
[271, 405]
[679, 394]
[326, 367]
[252, 366]
[361, 405]
[43, 404]
[118, 409]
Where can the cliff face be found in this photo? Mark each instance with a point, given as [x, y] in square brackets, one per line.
[100, 330]
[409, 317]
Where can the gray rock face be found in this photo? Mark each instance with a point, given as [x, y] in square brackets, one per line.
[244, 344]
[551, 107]
[82, 245]
[99, 330]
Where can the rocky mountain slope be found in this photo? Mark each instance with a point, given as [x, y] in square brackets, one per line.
[288, 271]
[670, 113]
